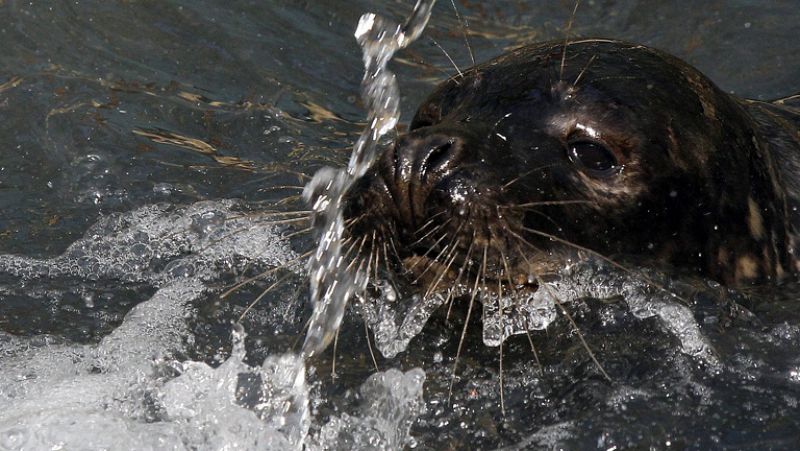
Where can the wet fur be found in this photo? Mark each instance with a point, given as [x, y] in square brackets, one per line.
[703, 188]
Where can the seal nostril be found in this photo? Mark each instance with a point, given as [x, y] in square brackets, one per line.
[439, 155]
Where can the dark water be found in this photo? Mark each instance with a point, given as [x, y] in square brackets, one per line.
[109, 106]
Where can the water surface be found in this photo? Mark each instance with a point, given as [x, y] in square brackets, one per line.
[169, 109]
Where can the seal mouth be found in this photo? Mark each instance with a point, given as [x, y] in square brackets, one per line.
[465, 232]
[506, 267]
[466, 246]
[433, 274]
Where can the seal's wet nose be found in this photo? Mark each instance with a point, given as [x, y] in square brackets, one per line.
[415, 166]
[418, 159]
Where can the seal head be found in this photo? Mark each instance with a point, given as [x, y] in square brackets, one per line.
[525, 163]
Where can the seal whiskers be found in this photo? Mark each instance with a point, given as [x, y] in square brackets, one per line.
[528, 332]
[436, 260]
[500, 308]
[572, 322]
[333, 356]
[263, 274]
[632, 159]
[583, 71]
[463, 25]
[369, 346]
[566, 41]
[461, 272]
[500, 369]
[577, 330]
[261, 296]
[449, 261]
[453, 63]
[608, 260]
[480, 274]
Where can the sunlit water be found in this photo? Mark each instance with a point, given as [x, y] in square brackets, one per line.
[332, 283]
[128, 128]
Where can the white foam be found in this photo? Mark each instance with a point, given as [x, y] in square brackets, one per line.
[131, 390]
[158, 243]
[93, 397]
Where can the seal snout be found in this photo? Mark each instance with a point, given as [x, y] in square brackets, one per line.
[416, 166]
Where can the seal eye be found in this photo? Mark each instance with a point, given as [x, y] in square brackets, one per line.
[593, 157]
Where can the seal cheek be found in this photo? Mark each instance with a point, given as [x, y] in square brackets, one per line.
[780, 273]
[623, 190]
[755, 221]
[746, 268]
[723, 257]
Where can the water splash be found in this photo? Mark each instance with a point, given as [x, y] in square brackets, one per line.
[396, 323]
[392, 401]
[137, 386]
[157, 244]
[214, 402]
[332, 281]
[129, 390]
[644, 298]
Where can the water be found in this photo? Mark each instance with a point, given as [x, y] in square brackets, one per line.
[332, 283]
[128, 128]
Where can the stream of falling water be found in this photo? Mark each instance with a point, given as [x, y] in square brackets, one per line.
[332, 283]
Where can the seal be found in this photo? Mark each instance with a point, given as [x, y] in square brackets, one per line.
[554, 152]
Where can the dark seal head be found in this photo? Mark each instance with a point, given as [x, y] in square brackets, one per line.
[528, 162]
